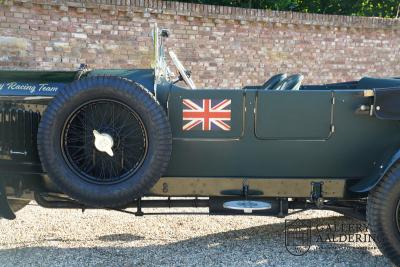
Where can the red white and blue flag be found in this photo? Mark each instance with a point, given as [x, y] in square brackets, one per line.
[206, 114]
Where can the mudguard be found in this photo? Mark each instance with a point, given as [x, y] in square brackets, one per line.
[144, 77]
[367, 184]
[385, 108]
[5, 209]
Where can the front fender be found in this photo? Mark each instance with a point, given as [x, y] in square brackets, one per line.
[367, 184]
[144, 77]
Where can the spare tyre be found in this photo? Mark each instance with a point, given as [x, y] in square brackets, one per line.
[104, 141]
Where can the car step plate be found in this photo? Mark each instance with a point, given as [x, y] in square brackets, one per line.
[247, 205]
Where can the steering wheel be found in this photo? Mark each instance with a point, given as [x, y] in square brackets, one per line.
[182, 70]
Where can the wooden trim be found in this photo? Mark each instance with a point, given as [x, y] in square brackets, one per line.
[369, 93]
[269, 187]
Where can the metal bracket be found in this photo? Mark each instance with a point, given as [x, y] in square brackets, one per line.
[316, 193]
[82, 70]
[245, 191]
[139, 211]
[5, 209]
[23, 153]
[371, 110]
[281, 213]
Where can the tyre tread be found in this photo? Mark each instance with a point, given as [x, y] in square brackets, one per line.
[129, 89]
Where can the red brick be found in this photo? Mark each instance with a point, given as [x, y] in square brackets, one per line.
[224, 47]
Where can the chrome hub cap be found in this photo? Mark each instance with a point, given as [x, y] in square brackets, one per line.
[103, 142]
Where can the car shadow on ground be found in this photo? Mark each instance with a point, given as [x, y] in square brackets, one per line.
[258, 246]
[120, 237]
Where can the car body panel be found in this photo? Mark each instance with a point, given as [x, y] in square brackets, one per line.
[368, 183]
[313, 133]
[37, 76]
[176, 107]
[350, 145]
[284, 115]
[47, 83]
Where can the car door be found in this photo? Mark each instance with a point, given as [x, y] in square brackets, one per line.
[294, 115]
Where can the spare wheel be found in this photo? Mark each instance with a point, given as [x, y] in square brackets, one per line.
[104, 141]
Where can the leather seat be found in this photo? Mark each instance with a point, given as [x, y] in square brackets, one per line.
[273, 81]
[292, 82]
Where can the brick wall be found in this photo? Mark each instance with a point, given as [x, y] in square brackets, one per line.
[224, 47]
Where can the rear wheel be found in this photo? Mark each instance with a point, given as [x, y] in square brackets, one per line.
[383, 214]
[104, 141]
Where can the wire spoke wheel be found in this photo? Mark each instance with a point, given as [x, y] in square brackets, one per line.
[104, 141]
[120, 124]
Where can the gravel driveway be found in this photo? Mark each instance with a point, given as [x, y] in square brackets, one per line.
[44, 237]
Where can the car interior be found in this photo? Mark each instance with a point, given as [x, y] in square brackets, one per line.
[363, 83]
[294, 82]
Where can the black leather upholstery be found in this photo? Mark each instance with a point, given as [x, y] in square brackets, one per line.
[292, 82]
[273, 81]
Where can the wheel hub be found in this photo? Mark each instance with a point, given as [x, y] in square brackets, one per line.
[103, 142]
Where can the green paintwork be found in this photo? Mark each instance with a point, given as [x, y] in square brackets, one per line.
[315, 115]
[279, 144]
[143, 76]
[312, 133]
[37, 76]
[292, 134]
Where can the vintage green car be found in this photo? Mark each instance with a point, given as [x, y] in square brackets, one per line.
[106, 138]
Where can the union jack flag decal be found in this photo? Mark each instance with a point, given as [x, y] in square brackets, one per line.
[206, 114]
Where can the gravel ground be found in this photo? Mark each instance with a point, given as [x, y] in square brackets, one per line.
[44, 237]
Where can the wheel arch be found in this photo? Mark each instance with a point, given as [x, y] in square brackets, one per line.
[368, 183]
